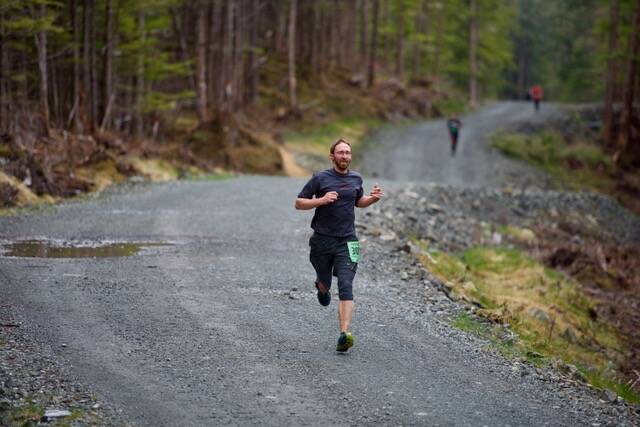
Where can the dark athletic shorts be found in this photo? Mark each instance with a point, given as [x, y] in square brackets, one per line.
[330, 256]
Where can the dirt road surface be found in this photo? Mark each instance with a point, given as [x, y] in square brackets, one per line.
[222, 327]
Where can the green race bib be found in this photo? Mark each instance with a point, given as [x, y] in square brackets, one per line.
[354, 250]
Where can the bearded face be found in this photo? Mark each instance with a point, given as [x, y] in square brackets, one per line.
[341, 157]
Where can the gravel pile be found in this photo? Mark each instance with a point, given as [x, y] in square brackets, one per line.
[451, 217]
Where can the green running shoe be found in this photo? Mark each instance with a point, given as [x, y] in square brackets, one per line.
[345, 342]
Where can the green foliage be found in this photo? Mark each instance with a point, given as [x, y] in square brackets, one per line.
[156, 101]
[478, 260]
[317, 139]
[26, 415]
[500, 338]
[548, 315]
[578, 165]
[565, 44]
[602, 380]
[447, 106]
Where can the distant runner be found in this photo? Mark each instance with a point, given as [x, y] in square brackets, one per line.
[536, 94]
[335, 249]
[454, 124]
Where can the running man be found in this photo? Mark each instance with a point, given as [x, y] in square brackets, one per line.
[335, 249]
[454, 124]
[536, 94]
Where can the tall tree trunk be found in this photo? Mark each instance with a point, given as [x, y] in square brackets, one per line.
[386, 40]
[473, 53]
[85, 93]
[94, 96]
[55, 96]
[338, 40]
[439, 42]
[332, 34]
[371, 75]
[521, 85]
[201, 60]
[628, 141]
[325, 37]
[4, 74]
[364, 31]
[41, 41]
[281, 28]
[214, 67]
[252, 62]
[227, 61]
[612, 75]
[140, 76]
[77, 84]
[421, 29]
[316, 36]
[239, 47]
[350, 25]
[108, 65]
[292, 55]
[400, 40]
[178, 19]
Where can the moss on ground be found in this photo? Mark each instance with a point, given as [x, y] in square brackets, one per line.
[579, 166]
[551, 317]
[24, 195]
[317, 139]
[29, 414]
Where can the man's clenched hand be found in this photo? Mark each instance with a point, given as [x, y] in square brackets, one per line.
[376, 192]
[330, 197]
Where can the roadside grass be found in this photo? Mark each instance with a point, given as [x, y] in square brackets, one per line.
[105, 174]
[27, 415]
[198, 175]
[602, 380]
[317, 139]
[23, 194]
[447, 106]
[521, 235]
[500, 337]
[549, 315]
[579, 165]
[31, 414]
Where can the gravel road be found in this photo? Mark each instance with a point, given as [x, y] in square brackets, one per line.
[421, 153]
[221, 326]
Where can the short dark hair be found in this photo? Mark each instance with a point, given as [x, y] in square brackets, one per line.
[339, 141]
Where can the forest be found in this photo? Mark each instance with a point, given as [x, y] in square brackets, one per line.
[82, 78]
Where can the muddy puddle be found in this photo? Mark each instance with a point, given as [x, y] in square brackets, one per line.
[55, 249]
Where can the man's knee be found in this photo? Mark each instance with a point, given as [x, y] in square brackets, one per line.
[345, 284]
[345, 293]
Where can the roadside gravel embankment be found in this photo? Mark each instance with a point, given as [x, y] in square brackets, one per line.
[35, 384]
[453, 219]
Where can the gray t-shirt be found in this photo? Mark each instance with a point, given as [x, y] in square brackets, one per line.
[335, 219]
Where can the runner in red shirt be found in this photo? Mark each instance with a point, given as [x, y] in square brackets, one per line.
[536, 94]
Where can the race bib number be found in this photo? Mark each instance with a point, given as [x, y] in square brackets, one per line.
[354, 250]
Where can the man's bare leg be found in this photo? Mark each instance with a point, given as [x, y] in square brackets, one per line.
[345, 312]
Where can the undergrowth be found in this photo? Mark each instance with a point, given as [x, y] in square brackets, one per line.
[579, 165]
[551, 318]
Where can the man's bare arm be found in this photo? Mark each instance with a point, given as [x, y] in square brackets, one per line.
[373, 197]
[306, 204]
